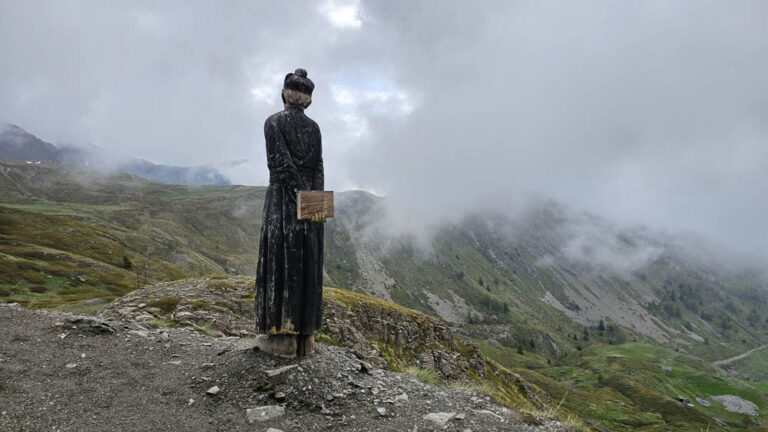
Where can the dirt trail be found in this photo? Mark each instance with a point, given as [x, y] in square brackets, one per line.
[60, 372]
[738, 357]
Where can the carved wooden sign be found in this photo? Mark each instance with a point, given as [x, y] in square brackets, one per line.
[309, 203]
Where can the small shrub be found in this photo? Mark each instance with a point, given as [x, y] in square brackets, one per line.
[202, 304]
[9, 278]
[33, 276]
[38, 289]
[220, 285]
[427, 375]
[7, 267]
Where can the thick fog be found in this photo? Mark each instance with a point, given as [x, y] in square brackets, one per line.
[651, 112]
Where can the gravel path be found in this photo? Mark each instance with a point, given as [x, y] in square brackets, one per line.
[738, 357]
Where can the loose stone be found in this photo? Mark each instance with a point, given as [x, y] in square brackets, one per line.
[440, 418]
[264, 413]
[278, 371]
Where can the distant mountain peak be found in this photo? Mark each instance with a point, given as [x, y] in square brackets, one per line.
[19, 145]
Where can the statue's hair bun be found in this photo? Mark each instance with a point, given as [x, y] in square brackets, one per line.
[299, 82]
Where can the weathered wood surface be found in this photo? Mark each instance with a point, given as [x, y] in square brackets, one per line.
[309, 203]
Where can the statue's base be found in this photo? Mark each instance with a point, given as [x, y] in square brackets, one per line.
[286, 345]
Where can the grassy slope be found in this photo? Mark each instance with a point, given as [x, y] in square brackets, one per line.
[624, 387]
[70, 232]
[754, 366]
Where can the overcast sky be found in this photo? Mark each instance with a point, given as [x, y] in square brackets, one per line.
[651, 112]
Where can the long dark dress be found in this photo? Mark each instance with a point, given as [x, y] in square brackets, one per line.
[289, 276]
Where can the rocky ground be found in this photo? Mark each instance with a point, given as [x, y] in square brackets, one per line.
[382, 332]
[61, 372]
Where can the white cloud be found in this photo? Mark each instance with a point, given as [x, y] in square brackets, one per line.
[346, 15]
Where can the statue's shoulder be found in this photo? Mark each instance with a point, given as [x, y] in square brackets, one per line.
[312, 122]
[286, 117]
[276, 116]
[275, 119]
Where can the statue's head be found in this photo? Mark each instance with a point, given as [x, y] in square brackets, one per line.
[297, 89]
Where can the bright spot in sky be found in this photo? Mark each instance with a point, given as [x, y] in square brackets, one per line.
[392, 100]
[345, 14]
[267, 85]
[356, 126]
[265, 93]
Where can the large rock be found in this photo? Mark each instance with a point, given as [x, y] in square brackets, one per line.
[736, 404]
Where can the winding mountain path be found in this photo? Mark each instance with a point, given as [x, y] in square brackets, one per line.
[738, 357]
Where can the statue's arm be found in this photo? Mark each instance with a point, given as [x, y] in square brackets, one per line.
[279, 158]
[318, 182]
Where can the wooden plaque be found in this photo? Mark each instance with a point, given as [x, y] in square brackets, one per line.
[309, 203]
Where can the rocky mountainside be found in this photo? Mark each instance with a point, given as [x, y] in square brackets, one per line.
[549, 273]
[16, 144]
[65, 372]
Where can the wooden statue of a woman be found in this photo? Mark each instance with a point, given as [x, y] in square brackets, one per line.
[289, 278]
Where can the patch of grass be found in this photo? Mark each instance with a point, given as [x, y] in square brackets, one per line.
[4, 292]
[166, 305]
[326, 339]
[427, 375]
[353, 299]
[480, 387]
[160, 323]
[39, 289]
[509, 357]
[202, 304]
[220, 285]
[207, 328]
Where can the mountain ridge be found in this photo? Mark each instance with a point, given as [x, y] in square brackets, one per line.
[20, 145]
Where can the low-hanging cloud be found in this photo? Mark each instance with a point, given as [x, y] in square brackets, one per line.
[645, 112]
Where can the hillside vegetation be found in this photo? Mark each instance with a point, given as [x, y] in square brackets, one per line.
[546, 294]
